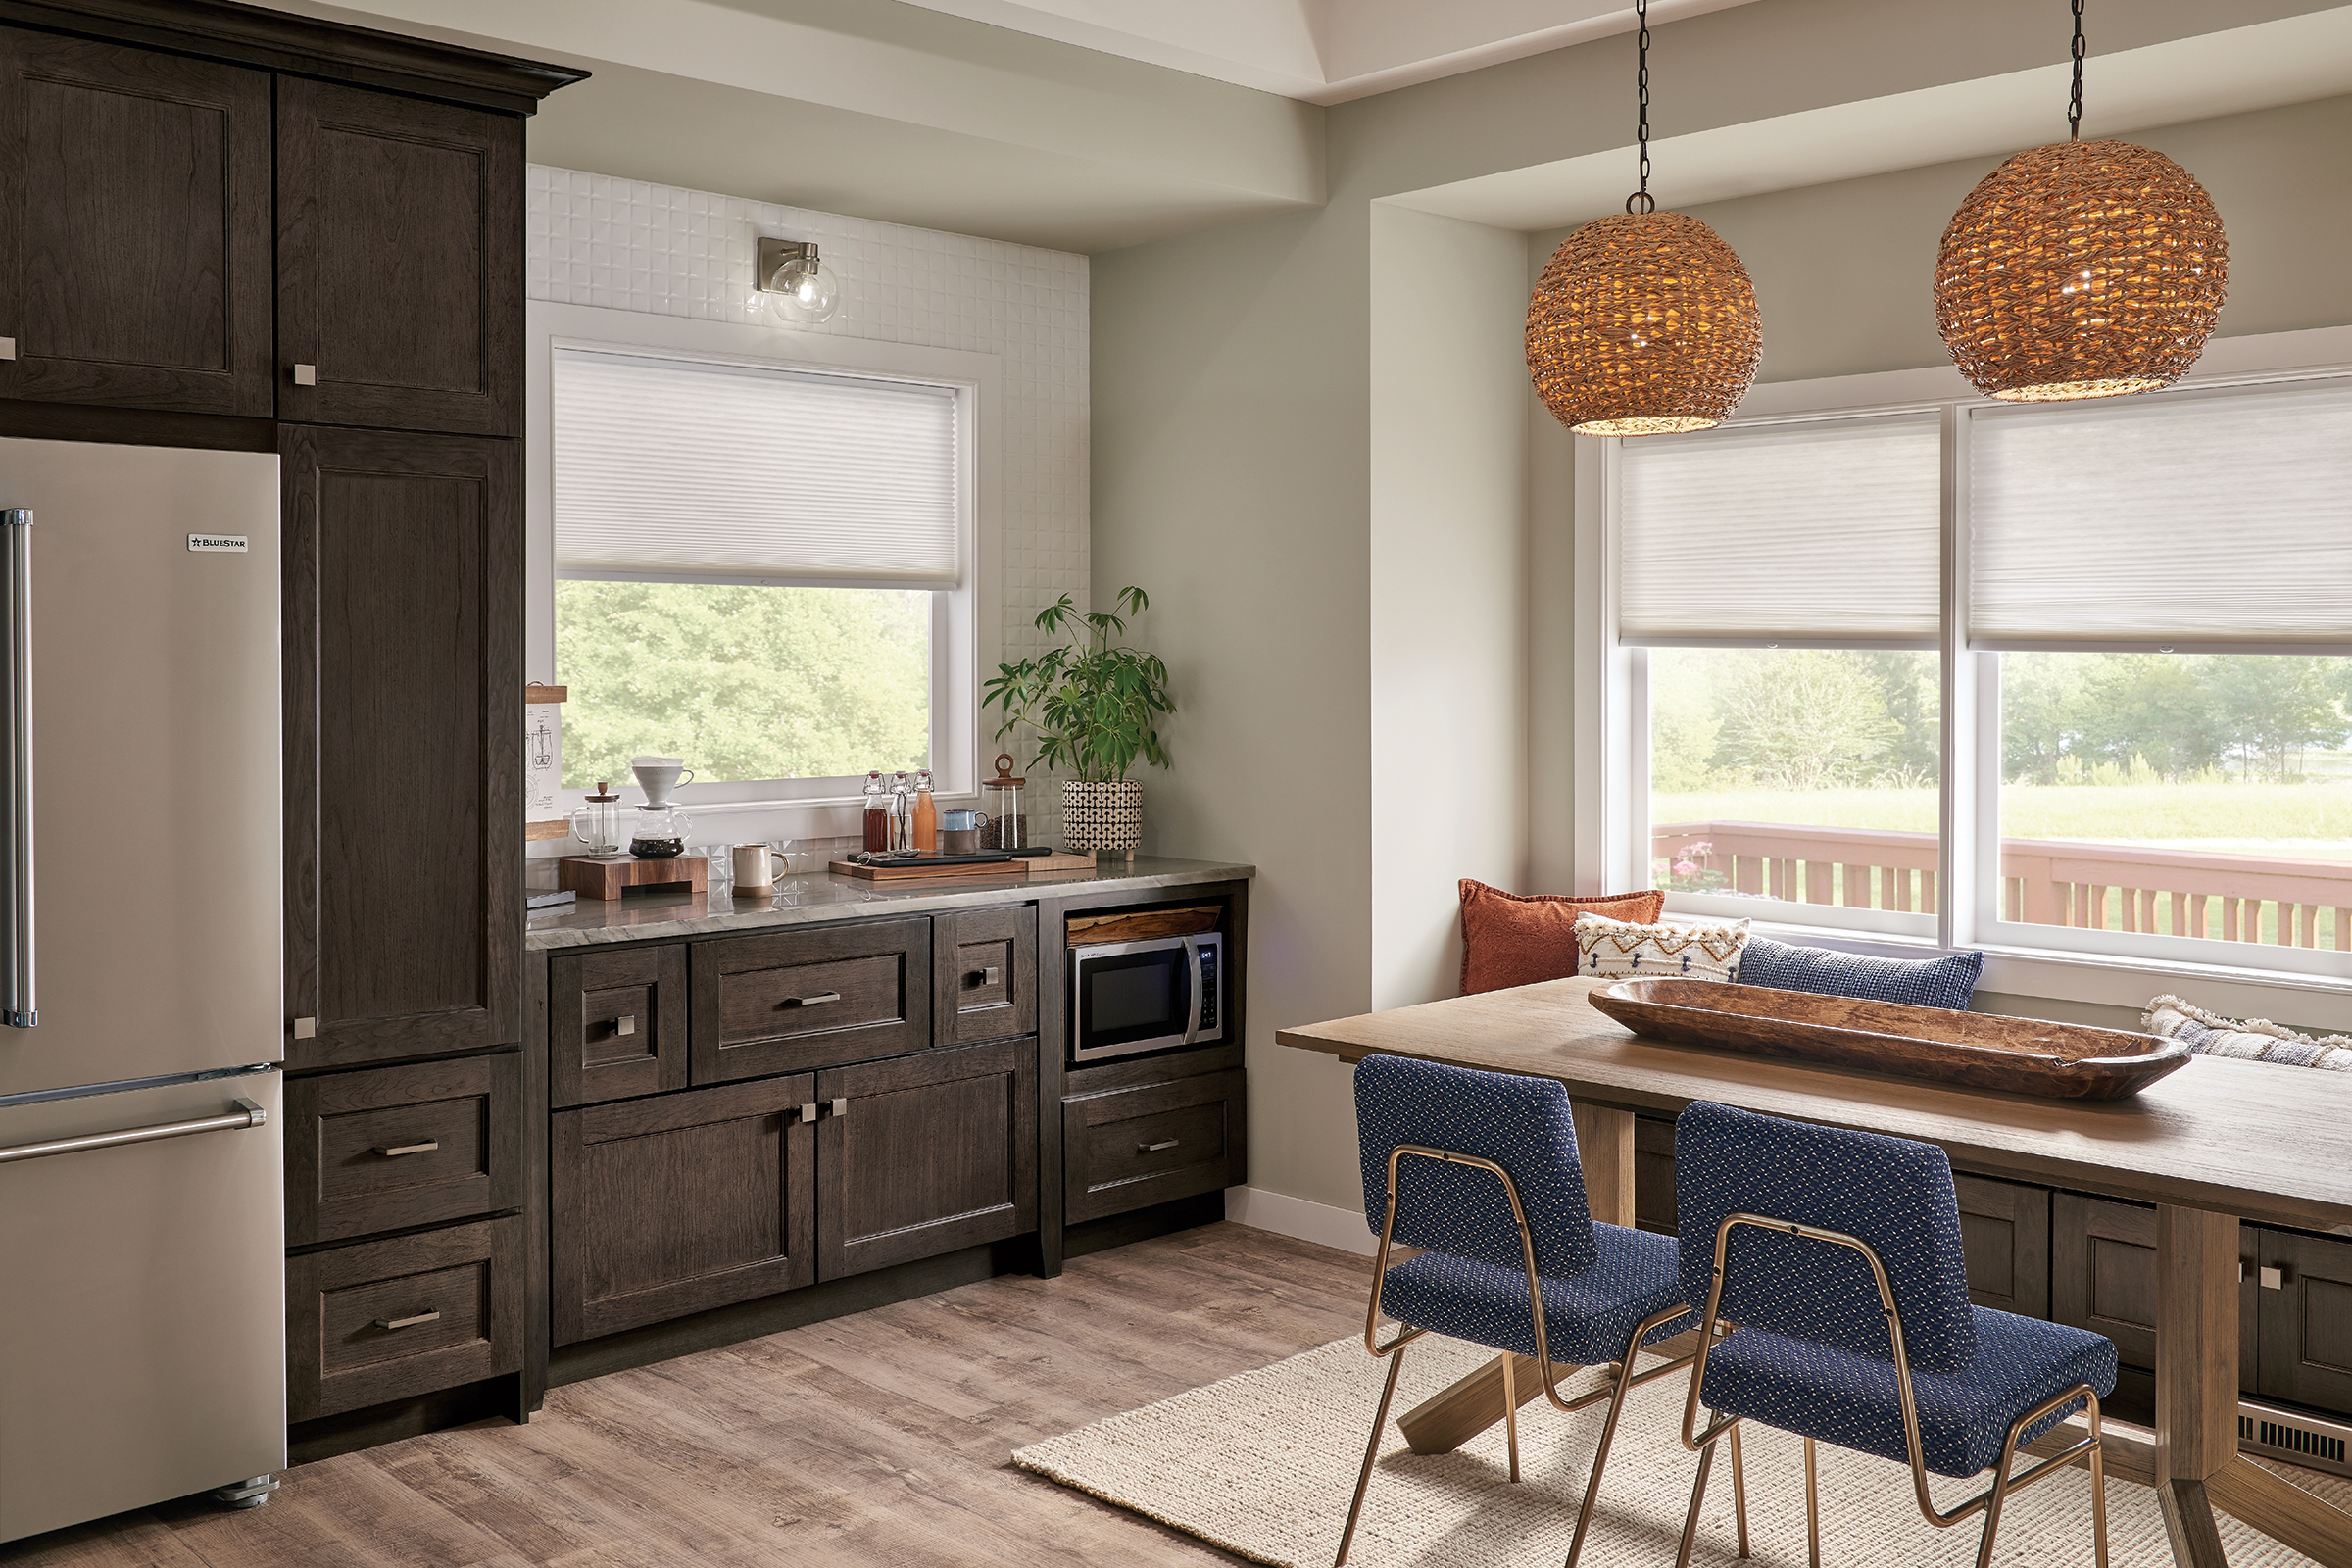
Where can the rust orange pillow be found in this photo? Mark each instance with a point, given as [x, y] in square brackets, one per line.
[1511, 939]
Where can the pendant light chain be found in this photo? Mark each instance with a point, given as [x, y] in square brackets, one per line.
[2074, 108]
[1641, 79]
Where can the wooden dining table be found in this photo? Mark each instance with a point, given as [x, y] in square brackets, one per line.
[2216, 1143]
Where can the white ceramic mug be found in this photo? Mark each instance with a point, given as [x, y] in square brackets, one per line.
[755, 868]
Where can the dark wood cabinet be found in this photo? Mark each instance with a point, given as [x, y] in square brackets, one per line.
[675, 1204]
[984, 973]
[401, 570]
[2103, 1278]
[2301, 1305]
[616, 1024]
[1153, 1131]
[400, 271]
[1653, 1175]
[813, 998]
[922, 1154]
[2005, 1237]
[380, 1149]
[386, 1319]
[135, 202]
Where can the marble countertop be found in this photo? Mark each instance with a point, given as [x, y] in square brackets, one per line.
[821, 896]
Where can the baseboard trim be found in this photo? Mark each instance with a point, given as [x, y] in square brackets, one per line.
[1307, 1221]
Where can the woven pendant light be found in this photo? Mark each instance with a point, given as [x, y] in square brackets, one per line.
[1646, 323]
[2081, 270]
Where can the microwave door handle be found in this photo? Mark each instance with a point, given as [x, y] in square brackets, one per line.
[1192, 959]
[16, 1005]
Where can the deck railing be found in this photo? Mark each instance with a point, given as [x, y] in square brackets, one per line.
[2099, 887]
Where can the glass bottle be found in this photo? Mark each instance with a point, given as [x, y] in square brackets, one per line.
[926, 816]
[877, 815]
[901, 814]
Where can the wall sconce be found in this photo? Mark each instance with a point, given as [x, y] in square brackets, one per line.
[796, 286]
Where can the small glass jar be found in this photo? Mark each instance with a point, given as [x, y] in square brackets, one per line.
[1006, 827]
[658, 832]
[597, 823]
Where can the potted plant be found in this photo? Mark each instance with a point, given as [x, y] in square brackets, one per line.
[1095, 707]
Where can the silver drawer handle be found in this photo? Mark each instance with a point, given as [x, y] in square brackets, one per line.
[395, 1150]
[841, 1108]
[1153, 1149]
[626, 1024]
[2274, 1279]
[247, 1114]
[810, 1001]
[990, 976]
[408, 1322]
[808, 1112]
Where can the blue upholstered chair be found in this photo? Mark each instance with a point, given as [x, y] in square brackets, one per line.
[1480, 1170]
[1836, 1254]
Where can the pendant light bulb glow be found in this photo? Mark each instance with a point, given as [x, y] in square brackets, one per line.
[1643, 323]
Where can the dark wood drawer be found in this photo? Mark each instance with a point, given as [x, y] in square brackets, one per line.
[1132, 1147]
[616, 1024]
[2301, 1303]
[810, 999]
[384, 1148]
[984, 973]
[2103, 1277]
[678, 1204]
[387, 1319]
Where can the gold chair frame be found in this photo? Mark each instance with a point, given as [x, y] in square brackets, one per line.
[1625, 1381]
[1989, 1502]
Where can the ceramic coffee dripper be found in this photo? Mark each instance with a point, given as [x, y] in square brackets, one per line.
[659, 775]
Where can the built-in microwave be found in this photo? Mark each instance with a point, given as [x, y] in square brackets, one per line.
[1127, 997]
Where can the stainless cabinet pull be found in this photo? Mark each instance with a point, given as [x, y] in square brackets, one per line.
[306, 1028]
[1153, 1149]
[2274, 1279]
[626, 1024]
[841, 1108]
[809, 1111]
[8, 348]
[992, 975]
[810, 1001]
[306, 375]
[408, 1322]
[247, 1114]
[395, 1150]
[16, 1007]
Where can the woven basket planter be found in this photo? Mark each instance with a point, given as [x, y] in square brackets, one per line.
[1101, 816]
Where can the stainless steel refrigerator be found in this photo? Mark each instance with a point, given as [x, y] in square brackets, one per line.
[143, 1300]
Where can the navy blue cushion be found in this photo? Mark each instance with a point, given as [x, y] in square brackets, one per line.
[1890, 1193]
[1837, 1396]
[1520, 1123]
[1916, 981]
[1587, 1317]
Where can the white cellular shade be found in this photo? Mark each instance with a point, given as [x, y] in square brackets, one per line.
[2211, 517]
[701, 471]
[1804, 531]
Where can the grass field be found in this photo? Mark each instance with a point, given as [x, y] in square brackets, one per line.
[2302, 821]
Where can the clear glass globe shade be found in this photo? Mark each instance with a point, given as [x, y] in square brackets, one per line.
[804, 295]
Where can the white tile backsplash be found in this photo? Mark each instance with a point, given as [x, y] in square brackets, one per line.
[624, 244]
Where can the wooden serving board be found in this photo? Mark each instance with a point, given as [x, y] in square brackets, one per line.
[1982, 1050]
[928, 870]
[593, 876]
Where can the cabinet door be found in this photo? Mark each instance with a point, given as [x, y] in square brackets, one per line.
[816, 998]
[1131, 1148]
[2005, 1236]
[920, 1156]
[675, 1205]
[1653, 1175]
[399, 262]
[403, 745]
[2103, 1278]
[984, 973]
[2304, 1310]
[616, 1024]
[134, 194]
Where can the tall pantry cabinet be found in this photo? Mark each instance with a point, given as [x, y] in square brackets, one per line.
[227, 227]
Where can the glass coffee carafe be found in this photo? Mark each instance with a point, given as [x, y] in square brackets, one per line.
[658, 832]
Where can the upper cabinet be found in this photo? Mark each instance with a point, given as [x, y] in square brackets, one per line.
[135, 214]
[400, 285]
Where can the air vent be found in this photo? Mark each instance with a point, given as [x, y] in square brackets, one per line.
[2301, 1440]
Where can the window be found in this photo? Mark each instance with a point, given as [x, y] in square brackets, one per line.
[2137, 611]
[759, 569]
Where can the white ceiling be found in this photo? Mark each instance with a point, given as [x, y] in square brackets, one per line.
[1320, 51]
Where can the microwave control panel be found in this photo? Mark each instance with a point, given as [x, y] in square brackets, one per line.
[1208, 985]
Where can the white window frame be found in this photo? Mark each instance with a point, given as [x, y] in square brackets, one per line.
[2104, 967]
[965, 627]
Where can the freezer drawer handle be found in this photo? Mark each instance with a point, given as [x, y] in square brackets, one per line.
[15, 604]
[810, 1001]
[247, 1114]
[1153, 1149]
[395, 1150]
[408, 1322]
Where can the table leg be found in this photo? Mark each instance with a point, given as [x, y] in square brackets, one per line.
[1451, 1417]
[2196, 1374]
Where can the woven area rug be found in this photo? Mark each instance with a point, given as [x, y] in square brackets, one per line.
[1261, 1465]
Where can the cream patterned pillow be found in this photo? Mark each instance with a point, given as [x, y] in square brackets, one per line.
[1694, 950]
[2209, 1034]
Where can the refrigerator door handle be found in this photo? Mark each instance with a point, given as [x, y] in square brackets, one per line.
[17, 1006]
[247, 1114]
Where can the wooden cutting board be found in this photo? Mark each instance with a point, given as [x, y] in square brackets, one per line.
[928, 871]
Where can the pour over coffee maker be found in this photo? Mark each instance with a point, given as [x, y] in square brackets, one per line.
[658, 829]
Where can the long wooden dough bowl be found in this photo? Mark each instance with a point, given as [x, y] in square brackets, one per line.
[2023, 1056]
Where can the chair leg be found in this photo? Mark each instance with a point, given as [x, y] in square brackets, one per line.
[1363, 1476]
[1698, 1492]
[1738, 1492]
[2098, 1493]
[1600, 1457]
[1510, 1414]
[1992, 1505]
[1812, 1509]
